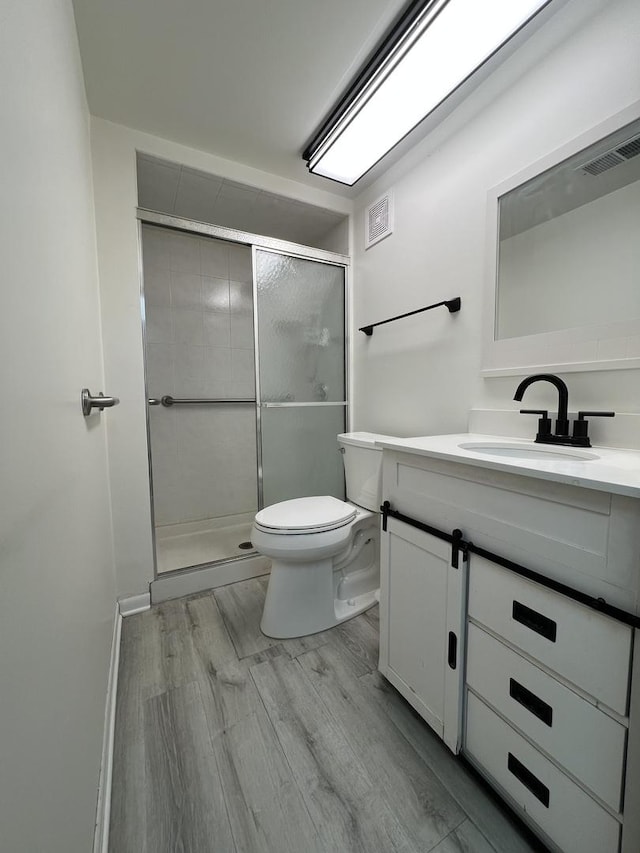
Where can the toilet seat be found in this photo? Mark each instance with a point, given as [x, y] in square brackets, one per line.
[305, 516]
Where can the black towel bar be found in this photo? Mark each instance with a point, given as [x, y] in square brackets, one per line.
[452, 304]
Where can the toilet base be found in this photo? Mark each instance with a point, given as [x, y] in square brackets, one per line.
[300, 600]
[343, 612]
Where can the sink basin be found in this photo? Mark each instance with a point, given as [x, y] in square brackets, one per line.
[539, 452]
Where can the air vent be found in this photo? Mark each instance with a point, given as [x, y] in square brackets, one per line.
[379, 221]
[617, 155]
[630, 149]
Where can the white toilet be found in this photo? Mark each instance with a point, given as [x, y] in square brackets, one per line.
[325, 553]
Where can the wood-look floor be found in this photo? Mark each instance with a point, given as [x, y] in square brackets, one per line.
[229, 742]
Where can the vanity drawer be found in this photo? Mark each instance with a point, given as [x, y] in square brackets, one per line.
[587, 648]
[562, 810]
[580, 737]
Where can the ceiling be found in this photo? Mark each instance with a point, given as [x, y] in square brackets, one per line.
[247, 80]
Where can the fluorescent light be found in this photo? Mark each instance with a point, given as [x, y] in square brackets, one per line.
[442, 46]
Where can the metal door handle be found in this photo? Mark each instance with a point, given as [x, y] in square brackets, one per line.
[100, 402]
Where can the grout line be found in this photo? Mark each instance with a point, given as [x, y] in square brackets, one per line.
[448, 835]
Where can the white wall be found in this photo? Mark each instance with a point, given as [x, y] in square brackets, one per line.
[114, 161]
[422, 375]
[57, 591]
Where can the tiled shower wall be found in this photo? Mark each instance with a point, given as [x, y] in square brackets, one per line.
[199, 343]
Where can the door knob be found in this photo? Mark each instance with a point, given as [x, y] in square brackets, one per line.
[100, 402]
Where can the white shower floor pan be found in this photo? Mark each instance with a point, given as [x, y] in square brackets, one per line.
[194, 543]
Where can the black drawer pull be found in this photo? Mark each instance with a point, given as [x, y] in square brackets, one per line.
[531, 782]
[535, 621]
[531, 702]
[452, 656]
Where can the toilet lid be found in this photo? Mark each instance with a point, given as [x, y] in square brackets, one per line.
[304, 515]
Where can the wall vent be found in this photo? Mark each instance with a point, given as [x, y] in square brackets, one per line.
[379, 221]
[613, 157]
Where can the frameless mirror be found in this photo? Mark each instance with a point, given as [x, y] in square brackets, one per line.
[565, 287]
[569, 242]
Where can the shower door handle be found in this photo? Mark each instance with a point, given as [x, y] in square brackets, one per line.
[100, 402]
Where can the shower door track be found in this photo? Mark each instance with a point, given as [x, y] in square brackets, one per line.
[233, 235]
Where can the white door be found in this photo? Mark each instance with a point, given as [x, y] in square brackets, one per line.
[57, 589]
[421, 624]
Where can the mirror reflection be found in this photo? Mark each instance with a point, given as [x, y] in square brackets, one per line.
[569, 242]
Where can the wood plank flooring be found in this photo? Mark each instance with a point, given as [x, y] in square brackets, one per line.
[230, 742]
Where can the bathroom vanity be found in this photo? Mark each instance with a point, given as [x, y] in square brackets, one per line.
[514, 636]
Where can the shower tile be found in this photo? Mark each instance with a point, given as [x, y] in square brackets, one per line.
[215, 388]
[240, 266]
[157, 287]
[187, 327]
[215, 294]
[240, 297]
[165, 467]
[166, 504]
[242, 331]
[192, 386]
[196, 195]
[157, 183]
[214, 258]
[159, 328]
[155, 248]
[242, 373]
[188, 364]
[216, 331]
[233, 205]
[160, 378]
[184, 253]
[163, 434]
[217, 364]
[186, 290]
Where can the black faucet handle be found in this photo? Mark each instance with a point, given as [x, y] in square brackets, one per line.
[544, 423]
[581, 426]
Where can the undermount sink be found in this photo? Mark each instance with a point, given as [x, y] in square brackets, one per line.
[520, 451]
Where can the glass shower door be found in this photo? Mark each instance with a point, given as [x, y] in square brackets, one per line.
[300, 320]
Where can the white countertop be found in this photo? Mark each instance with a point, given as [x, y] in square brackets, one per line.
[612, 470]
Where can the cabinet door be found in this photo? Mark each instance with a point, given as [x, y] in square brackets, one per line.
[421, 624]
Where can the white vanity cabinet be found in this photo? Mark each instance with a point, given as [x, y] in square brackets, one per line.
[542, 699]
[421, 625]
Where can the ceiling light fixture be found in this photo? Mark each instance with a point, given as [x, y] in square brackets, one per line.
[434, 48]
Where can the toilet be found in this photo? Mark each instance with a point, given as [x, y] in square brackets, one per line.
[325, 553]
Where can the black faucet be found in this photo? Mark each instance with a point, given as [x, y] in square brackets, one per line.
[562, 422]
[580, 437]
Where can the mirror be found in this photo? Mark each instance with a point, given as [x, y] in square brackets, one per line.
[565, 285]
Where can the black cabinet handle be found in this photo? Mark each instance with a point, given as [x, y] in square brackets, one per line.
[453, 650]
[531, 782]
[534, 621]
[538, 707]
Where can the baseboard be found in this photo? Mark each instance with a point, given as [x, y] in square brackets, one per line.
[103, 808]
[134, 604]
[177, 584]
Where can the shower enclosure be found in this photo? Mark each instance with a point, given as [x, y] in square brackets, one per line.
[246, 386]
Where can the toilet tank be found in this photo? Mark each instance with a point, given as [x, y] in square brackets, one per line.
[362, 468]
